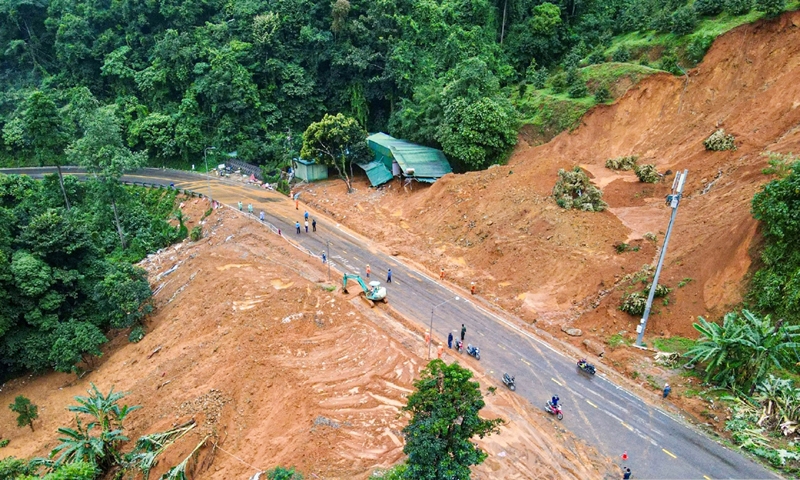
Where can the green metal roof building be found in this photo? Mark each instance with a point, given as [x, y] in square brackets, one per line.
[395, 157]
[309, 171]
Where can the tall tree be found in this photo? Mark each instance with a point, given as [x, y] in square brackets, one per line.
[45, 133]
[103, 152]
[444, 420]
[336, 141]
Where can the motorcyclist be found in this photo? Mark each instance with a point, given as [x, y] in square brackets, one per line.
[582, 363]
[554, 401]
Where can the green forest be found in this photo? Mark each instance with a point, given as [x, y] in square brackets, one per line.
[250, 76]
[65, 277]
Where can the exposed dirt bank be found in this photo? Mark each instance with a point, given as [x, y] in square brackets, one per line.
[278, 369]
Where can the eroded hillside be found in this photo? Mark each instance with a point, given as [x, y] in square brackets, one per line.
[501, 229]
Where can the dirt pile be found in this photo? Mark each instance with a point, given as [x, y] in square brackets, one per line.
[501, 228]
[249, 341]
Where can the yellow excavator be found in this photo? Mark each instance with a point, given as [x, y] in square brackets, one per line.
[373, 293]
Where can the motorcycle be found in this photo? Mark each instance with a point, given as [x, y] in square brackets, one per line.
[586, 367]
[554, 410]
[509, 381]
[459, 346]
[474, 351]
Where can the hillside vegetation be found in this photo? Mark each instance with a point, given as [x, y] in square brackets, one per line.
[247, 76]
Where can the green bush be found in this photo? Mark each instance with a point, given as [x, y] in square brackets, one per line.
[669, 63]
[738, 7]
[647, 173]
[661, 290]
[719, 141]
[602, 94]
[776, 285]
[197, 233]
[283, 187]
[11, 468]
[578, 89]
[622, 163]
[574, 190]
[4, 443]
[709, 7]
[634, 303]
[621, 54]
[596, 57]
[282, 473]
[697, 48]
[683, 20]
[771, 7]
[136, 335]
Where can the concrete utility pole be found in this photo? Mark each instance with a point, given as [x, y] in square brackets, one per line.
[430, 330]
[673, 200]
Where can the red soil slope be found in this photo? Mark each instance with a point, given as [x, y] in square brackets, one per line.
[278, 369]
[501, 229]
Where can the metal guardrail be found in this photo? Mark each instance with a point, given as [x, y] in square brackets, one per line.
[244, 167]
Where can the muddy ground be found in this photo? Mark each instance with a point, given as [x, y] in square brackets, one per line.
[277, 368]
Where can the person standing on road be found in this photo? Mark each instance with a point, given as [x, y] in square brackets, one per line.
[240, 206]
[314, 225]
[261, 216]
[305, 215]
[306, 226]
[324, 258]
[369, 270]
[441, 274]
[463, 332]
[626, 474]
[389, 276]
[667, 389]
[450, 340]
[250, 208]
[297, 226]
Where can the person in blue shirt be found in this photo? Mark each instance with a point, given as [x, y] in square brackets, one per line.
[554, 401]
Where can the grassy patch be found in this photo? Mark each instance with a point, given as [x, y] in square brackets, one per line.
[617, 340]
[689, 48]
[550, 113]
[611, 72]
[673, 344]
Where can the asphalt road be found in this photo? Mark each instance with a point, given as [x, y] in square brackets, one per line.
[605, 415]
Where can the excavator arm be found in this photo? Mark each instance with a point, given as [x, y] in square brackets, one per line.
[357, 278]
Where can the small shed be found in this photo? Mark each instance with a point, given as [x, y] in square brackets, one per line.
[310, 171]
[395, 157]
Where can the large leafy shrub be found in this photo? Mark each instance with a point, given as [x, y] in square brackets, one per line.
[573, 189]
[719, 141]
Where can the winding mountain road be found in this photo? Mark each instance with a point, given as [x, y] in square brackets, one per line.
[607, 416]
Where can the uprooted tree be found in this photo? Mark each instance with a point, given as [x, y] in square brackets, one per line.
[336, 141]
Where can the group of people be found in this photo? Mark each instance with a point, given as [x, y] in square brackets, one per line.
[368, 272]
[250, 210]
[313, 224]
[459, 344]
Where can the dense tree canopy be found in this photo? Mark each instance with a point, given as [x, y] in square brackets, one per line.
[243, 76]
[65, 278]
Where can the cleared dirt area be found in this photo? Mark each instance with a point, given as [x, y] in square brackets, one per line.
[250, 341]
